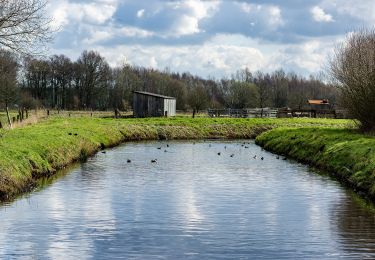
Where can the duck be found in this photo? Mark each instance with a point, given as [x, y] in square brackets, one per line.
[254, 157]
[128, 161]
[262, 158]
[219, 153]
[154, 160]
[277, 157]
[232, 155]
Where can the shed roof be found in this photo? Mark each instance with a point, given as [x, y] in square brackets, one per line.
[153, 94]
[318, 102]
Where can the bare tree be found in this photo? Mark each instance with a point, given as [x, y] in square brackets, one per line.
[353, 69]
[95, 77]
[8, 80]
[61, 75]
[197, 98]
[262, 82]
[23, 25]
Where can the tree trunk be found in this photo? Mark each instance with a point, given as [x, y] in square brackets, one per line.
[7, 111]
[193, 113]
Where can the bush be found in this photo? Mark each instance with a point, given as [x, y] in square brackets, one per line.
[353, 69]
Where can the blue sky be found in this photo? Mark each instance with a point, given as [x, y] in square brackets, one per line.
[209, 38]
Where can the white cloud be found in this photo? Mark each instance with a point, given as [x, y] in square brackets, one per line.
[363, 10]
[186, 25]
[192, 11]
[141, 13]
[97, 36]
[271, 15]
[275, 16]
[237, 32]
[211, 59]
[59, 13]
[222, 55]
[319, 15]
[246, 7]
[130, 31]
[96, 12]
[309, 57]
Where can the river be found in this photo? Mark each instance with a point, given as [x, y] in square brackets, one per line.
[192, 203]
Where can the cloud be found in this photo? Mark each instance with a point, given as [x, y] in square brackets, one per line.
[222, 55]
[275, 16]
[211, 59]
[205, 37]
[65, 12]
[186, 16]
[320, 16]
[140, 13]
[363, 10]
[98, 35]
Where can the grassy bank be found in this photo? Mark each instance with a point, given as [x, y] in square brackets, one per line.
[39, 150]
[342, 152]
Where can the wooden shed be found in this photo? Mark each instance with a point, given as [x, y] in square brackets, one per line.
[146, 104]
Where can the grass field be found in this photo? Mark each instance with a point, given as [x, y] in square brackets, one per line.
[40, 149]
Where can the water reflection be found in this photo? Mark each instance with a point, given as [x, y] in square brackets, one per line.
[192, 204]
[354, 222]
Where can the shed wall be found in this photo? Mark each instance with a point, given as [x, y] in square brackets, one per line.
[170, 107]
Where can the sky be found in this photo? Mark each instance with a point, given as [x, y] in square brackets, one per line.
[209, 38]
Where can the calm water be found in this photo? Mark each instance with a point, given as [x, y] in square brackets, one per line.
[191, 204]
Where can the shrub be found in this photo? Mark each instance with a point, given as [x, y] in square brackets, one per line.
[353, 69]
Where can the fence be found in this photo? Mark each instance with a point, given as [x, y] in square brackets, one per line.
[277, 113]
[243, 113]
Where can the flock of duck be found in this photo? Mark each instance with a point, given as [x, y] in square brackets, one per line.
[244, 145]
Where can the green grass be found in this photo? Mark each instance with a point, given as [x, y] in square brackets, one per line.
[39, 150]
[345, 153]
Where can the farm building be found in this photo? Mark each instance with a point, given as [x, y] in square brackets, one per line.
[319, 104]
[146, 104]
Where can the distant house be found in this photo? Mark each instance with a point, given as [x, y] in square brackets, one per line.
[319, 104]
[146, 104]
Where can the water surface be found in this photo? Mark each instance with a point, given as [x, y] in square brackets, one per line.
[191, 204]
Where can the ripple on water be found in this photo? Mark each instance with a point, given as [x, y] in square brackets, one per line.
[191, 204]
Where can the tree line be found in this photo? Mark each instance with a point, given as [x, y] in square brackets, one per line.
[89, 83]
